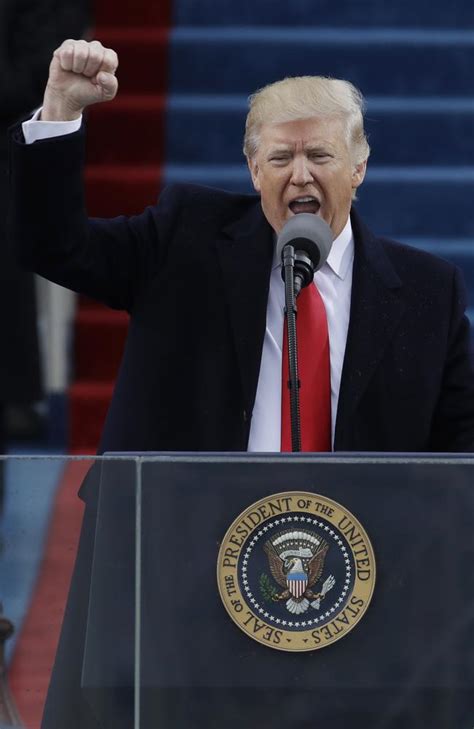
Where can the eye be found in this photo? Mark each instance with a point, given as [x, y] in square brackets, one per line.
[320, 156]
[279, 158]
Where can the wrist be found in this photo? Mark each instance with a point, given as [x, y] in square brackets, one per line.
[58, 109]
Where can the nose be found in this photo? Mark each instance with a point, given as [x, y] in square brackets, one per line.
[301, 174]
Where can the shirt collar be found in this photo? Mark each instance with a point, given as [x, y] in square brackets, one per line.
[341, 253]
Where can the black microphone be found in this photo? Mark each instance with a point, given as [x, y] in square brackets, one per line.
[308, 239]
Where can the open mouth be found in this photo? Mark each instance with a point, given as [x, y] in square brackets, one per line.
[306, 204]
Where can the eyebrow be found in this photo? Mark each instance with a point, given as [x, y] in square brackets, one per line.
[280, 148]
[311, 149]
[319, 148]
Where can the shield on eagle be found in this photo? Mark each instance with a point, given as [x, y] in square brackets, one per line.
[297, 579]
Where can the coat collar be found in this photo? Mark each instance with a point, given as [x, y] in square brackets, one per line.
[245, 250]
[376, 310]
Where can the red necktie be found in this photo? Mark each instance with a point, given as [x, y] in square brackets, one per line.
[314, 375]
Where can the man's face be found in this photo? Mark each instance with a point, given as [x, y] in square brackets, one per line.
[305, 166]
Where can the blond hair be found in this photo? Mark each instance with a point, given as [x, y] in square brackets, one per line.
[304, 97]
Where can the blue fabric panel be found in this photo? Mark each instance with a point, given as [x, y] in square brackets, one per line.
[404, 13]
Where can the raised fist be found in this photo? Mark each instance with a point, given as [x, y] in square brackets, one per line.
[80, 74]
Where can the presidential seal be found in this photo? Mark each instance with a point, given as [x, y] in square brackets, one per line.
[296, 571]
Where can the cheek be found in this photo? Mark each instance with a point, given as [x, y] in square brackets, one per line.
[276, 187]
[340, 189]
[272, 189]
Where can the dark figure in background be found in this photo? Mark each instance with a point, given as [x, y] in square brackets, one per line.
[29, 32]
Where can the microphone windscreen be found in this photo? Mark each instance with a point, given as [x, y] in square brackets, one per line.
[309, 233]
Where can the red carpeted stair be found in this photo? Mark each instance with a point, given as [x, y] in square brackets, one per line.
[125, 154]
[34, 655]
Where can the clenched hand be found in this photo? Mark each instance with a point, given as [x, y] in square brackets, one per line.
[81, 73]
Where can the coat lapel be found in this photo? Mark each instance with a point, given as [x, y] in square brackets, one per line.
[245, 251]
[376, 309]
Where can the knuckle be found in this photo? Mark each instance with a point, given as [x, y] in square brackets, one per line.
[79, 60]
[94, 52]
[111, 58]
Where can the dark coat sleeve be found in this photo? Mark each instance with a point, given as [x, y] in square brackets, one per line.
[108, 260]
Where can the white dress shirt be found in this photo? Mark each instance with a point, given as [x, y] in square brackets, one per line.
[334, 282]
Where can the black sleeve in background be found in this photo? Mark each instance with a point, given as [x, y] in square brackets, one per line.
[30, 30]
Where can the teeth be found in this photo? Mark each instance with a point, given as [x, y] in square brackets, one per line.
[304, 199]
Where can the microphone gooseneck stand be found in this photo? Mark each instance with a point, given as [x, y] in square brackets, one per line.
[290, 317]
[303, 245]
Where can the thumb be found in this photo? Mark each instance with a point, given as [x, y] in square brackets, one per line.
[108, 84]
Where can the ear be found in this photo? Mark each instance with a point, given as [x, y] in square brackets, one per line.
[254, 173]
[358, 174]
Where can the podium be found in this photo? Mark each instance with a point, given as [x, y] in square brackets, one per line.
[163, 652]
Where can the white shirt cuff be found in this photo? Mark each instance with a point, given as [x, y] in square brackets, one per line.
[35, 129]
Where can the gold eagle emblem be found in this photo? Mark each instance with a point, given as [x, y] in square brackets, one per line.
[296, 560]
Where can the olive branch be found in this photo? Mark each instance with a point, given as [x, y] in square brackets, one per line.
[267, 589]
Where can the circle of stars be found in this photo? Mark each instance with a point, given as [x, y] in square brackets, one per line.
[303, 521]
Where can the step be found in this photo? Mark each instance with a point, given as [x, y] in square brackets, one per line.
[121, 189]
[443, 247]
[380, 62]
[99, 338]
[419, 201]
[143, 57]
[88, 405]
[395, 201]
[366, 13]
[134, 127]
[208, 129]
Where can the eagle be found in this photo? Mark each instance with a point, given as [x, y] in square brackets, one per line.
[298, 576]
